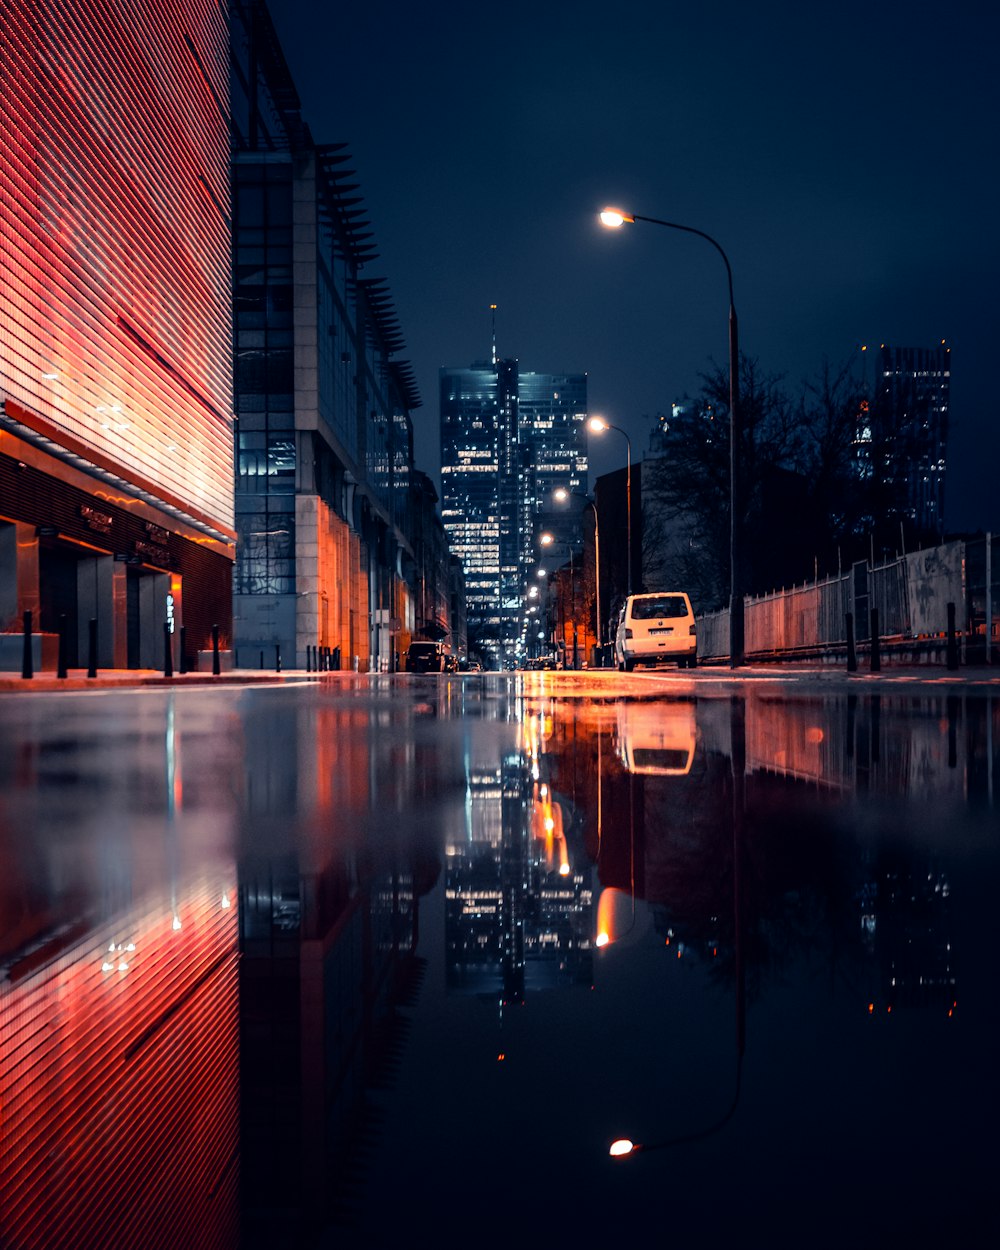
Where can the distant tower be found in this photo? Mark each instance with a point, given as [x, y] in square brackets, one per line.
[910, 425]
[508, 440]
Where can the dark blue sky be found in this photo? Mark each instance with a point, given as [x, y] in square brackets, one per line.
[845, 157]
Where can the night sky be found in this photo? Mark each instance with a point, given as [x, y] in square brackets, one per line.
[845, 157]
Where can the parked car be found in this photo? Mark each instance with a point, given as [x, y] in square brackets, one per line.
[425, 657]
[656, 627]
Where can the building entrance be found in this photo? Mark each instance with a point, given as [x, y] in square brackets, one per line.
[58, 597]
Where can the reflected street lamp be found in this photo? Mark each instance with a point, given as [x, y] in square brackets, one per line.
[614, 218]
[597, 425]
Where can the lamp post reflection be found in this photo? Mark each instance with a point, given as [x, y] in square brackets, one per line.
[625, 1147]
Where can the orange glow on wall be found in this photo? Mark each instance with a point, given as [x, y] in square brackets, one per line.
[115, 319]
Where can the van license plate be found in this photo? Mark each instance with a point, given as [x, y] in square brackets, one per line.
[668, 630]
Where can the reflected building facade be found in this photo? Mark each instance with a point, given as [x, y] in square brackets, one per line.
[518, 910]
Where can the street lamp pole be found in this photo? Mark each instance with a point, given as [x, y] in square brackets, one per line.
[598, 425]
[614, 218]
[562, 494]
[547, 540]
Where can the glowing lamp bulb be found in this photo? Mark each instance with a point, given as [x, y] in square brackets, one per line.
[602, 939]
[564, 870]
[613, 218]
[621, 1147]
[597, 425]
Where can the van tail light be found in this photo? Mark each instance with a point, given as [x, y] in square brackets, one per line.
[628, 632]
[693, 629]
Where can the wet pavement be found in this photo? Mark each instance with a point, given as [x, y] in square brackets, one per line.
[333, 961]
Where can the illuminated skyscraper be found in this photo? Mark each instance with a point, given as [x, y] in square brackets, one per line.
[508, 440]
[903, 438]
[116, 500]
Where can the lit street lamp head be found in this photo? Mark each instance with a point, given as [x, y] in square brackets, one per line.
[614, 217]
[597, 425]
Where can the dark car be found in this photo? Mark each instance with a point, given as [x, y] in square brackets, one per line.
[425, 657]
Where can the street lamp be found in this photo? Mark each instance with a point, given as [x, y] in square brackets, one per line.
[614, 218]
[562, 494]
[547, 540]
[597, 425]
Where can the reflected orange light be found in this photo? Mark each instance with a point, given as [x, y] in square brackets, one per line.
[814, 734]
[615, 915]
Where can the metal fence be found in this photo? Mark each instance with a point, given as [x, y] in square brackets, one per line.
[905, 599]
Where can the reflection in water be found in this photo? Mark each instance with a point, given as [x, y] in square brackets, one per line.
[219, 912]
[119, 1013]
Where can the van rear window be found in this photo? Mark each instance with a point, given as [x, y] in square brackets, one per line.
[658, 605]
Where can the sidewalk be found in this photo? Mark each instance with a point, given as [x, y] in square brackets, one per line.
[77, 679]
[821, 676]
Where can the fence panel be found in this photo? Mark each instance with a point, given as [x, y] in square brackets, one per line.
[911, 594]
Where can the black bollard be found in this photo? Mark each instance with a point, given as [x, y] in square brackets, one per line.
[216, 665]
[168, 651]
[309, 658]
[952, 650]
[27, 660]
[262, 661]
[277, 657]
[182, 665]
[92, 647]
[852, 652]
[876, 655]
[61, 669]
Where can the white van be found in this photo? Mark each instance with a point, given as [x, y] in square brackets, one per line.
[656, 627]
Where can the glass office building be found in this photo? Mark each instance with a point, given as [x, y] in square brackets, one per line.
[324, 438]
[508, 441]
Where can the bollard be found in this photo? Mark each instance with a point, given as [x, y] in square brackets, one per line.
[954, 712]
[27, 661]
[216, 665]
[262, 660]
[168, 652]
[61, 669]
[335, 659]
[952, 651]
[876, 655]
[852, 653]
[309, 658]
[92, 647]
[182, 666]
[277, 657]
